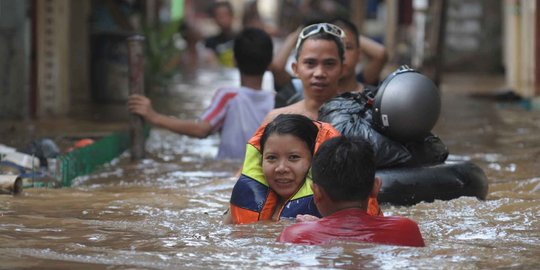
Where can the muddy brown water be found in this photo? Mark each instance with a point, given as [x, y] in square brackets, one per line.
[164, 212]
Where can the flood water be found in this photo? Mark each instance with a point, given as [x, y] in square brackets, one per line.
[165, 211]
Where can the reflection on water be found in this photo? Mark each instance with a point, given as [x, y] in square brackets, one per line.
[165, 211]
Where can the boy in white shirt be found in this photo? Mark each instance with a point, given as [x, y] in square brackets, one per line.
[235, 112]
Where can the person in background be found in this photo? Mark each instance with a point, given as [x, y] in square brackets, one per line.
[222, 43]
[288, 89]
[355, 47]
[194, 55]
[252, 18]
[377, 59]
[343, 172]
[235, 112]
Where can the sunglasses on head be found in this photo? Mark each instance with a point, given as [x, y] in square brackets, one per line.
[313, 29]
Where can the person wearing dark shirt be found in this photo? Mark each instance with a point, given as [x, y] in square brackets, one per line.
[222, 43]
[343, 172]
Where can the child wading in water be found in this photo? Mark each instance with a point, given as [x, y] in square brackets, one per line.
[343, 182]
[235, 112]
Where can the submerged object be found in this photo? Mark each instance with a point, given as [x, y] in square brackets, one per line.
[23, 160]
[10, 184]
[446, 181]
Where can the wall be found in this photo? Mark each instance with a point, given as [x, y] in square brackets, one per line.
[519, 49]
[473, 36]
[14, 59]
[52, 38]
[79, 59]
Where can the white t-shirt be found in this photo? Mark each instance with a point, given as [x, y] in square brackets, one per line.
[236, 113]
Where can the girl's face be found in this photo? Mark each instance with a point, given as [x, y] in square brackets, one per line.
[319, 68]
[286, 161]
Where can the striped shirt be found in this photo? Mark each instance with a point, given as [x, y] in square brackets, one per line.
[236, 112]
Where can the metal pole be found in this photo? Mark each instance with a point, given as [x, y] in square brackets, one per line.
[136, 86]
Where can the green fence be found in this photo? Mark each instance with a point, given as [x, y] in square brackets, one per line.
[84, 160]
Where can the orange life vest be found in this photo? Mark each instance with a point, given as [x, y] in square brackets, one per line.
[252, 199]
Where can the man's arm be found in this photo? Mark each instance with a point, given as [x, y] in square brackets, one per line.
[142, 106]
[277, 67]
[377, 58]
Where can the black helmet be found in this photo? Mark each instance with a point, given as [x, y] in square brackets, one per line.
[407, 105]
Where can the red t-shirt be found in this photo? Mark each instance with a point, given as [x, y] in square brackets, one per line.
[354, 225]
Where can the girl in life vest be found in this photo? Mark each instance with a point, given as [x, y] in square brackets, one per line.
[275, 180]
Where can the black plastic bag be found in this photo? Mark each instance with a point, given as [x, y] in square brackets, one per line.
[350, 114]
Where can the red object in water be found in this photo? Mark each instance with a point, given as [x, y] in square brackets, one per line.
[83, 142]
[80, 144]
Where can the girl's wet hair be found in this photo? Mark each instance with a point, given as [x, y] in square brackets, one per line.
[293, 124]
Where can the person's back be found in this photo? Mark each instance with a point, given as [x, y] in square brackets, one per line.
[354, 225]
[238, 111]
[194, 55]
[343, 172]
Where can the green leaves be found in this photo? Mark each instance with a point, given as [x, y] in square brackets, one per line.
[159, 51]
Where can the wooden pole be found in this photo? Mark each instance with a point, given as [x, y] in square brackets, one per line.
[136, 86]
[439, 39]
[357, 14]
[537, 50]
[392, 13]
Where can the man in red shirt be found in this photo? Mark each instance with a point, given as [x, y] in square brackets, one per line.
[343, 172]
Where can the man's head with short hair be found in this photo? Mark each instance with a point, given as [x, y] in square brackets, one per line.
[348, 26]
[189, 32]
[352, 51]
[253, 50]
[345, 168]
[220, 4]
[321, 35]
[223, 14]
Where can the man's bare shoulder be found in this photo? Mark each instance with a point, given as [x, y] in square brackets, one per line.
[296, 108]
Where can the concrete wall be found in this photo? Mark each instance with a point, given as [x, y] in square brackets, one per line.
[79, 59]
[519, 41]
[474, 36]
[14, 59]
[52, 27]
